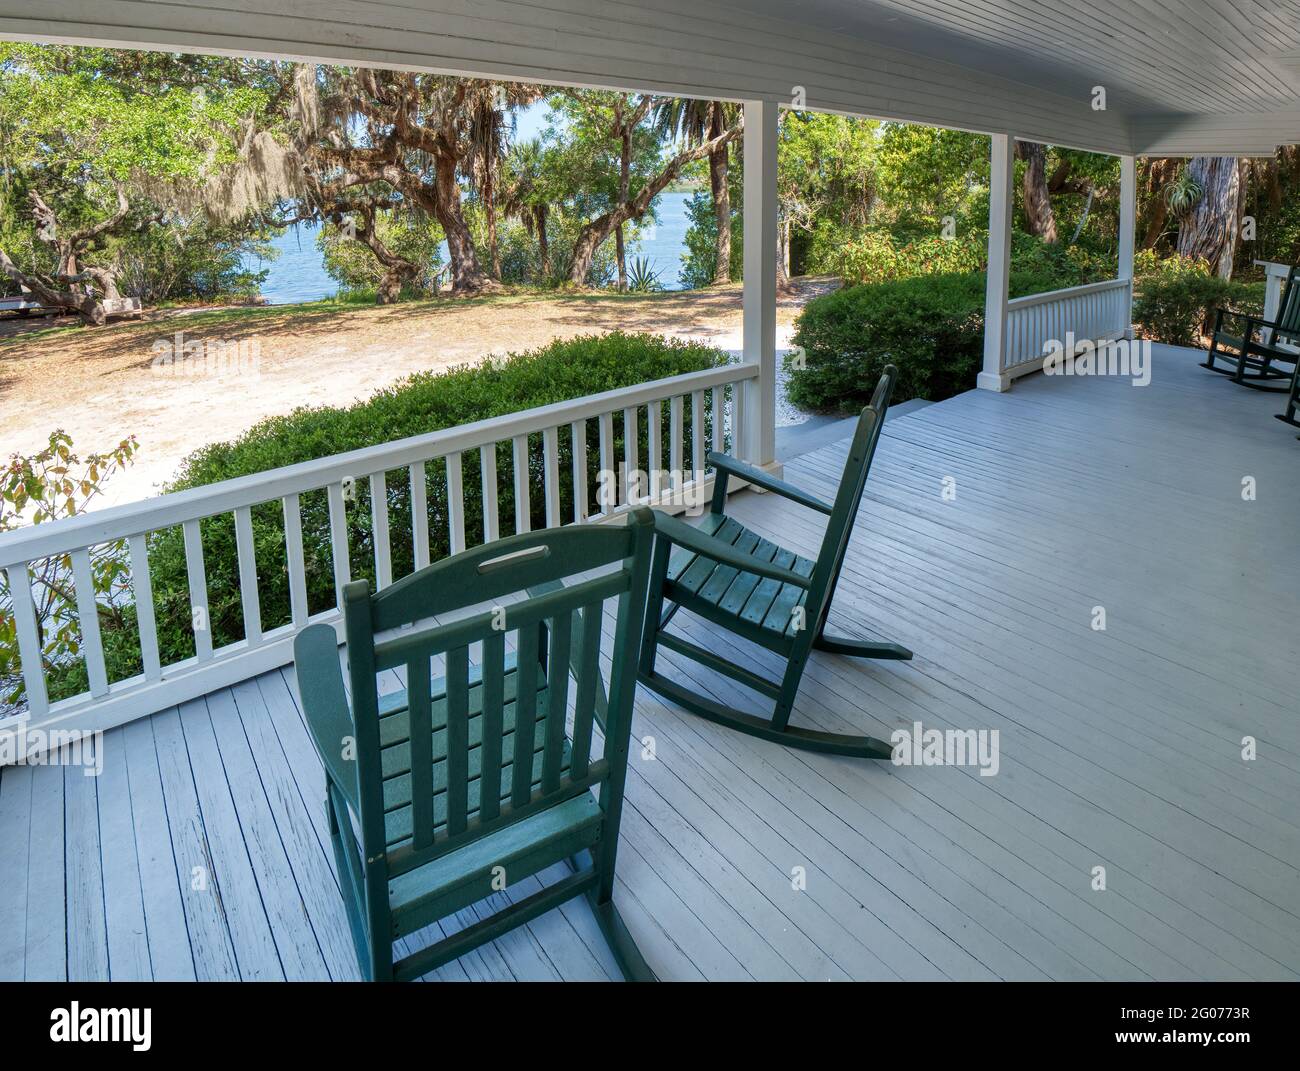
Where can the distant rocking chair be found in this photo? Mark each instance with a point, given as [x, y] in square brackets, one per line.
[1259, 344]
[441, 794]
[751, 588]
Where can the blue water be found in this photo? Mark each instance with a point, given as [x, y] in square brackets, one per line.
[298, 274]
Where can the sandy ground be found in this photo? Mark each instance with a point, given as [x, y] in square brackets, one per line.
[101, 385]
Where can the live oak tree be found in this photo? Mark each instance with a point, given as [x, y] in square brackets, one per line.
[94, 141]
[415, 134]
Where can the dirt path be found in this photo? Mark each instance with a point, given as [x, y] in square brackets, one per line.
[102, 384]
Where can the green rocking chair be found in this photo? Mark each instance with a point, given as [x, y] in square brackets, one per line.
[752, 588]
[1259, 344]
[443, 793]
[1291, 413]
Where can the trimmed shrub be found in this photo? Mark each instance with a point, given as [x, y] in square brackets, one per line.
[422, 403]
[930, 326]
[1175, 299]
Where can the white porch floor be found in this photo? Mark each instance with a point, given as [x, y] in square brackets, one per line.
[1119, 748]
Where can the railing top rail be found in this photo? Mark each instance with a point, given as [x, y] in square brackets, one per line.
[1068, 292]
[165, 511]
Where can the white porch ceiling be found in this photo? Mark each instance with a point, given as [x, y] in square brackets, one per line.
[1182, 76]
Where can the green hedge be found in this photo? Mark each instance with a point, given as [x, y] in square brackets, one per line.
[423, 403]
[1175, 298]
[931, 327]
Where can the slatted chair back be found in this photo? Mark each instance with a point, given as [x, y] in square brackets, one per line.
[839, 527]
[489, 773]
[1288, 312]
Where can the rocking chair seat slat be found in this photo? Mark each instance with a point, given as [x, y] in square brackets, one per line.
[465, 876]
[736, 595]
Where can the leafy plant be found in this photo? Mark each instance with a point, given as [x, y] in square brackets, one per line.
[51, 484]
[642, 278]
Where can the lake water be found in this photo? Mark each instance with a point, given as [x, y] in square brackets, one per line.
[299, 272]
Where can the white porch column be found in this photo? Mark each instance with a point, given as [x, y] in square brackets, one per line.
[1002, 174]
[1127, 230]
[760, 279]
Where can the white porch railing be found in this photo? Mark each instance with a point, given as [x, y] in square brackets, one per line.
[534, 436]
[1096, 311]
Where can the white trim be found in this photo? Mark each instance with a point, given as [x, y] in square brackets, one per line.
[761, 223]
[1001, 199]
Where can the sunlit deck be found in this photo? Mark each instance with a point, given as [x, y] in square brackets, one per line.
[202, 851]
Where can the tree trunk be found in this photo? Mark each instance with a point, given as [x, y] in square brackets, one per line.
[89, 308]
[599, 229]
[543, 245]
[621, 254]
[467, 275]
[1039, 216]
[718, 166]
[1211, 230]
[783, 283]
[390, 287]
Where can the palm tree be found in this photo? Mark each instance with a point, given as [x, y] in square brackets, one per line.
[488, 104]
[527, 198]
[695, 122]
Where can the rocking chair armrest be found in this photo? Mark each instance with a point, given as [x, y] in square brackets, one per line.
[325, 703]
[729, 465]
[1248, 317]
[684, 535]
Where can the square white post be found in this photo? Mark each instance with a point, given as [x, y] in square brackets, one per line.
[760, 279]
[1001, 193]
[1127, 231]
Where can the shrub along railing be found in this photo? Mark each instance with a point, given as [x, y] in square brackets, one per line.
[556, 456]
[1098, 312]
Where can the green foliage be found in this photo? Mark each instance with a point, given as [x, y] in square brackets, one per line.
[699, 262]
[423, 403]
[52, 484]
[1174, 298]
[357, 270]
[931, 327]
[192, 258]
[642, 278]
[877, 255]
[926, 173]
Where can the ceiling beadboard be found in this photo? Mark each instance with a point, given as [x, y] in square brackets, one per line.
[1213, 76]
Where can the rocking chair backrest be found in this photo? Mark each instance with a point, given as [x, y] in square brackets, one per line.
[1288, 312]
[456, 775]
[839, 527]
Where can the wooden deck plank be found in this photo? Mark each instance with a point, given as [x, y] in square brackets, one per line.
[205, 917]
[315, 880]
[16, 825]
[170, 956]
[128, 941]
[283, 899]
[47, 921]
[232, 877]
[87, 923]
